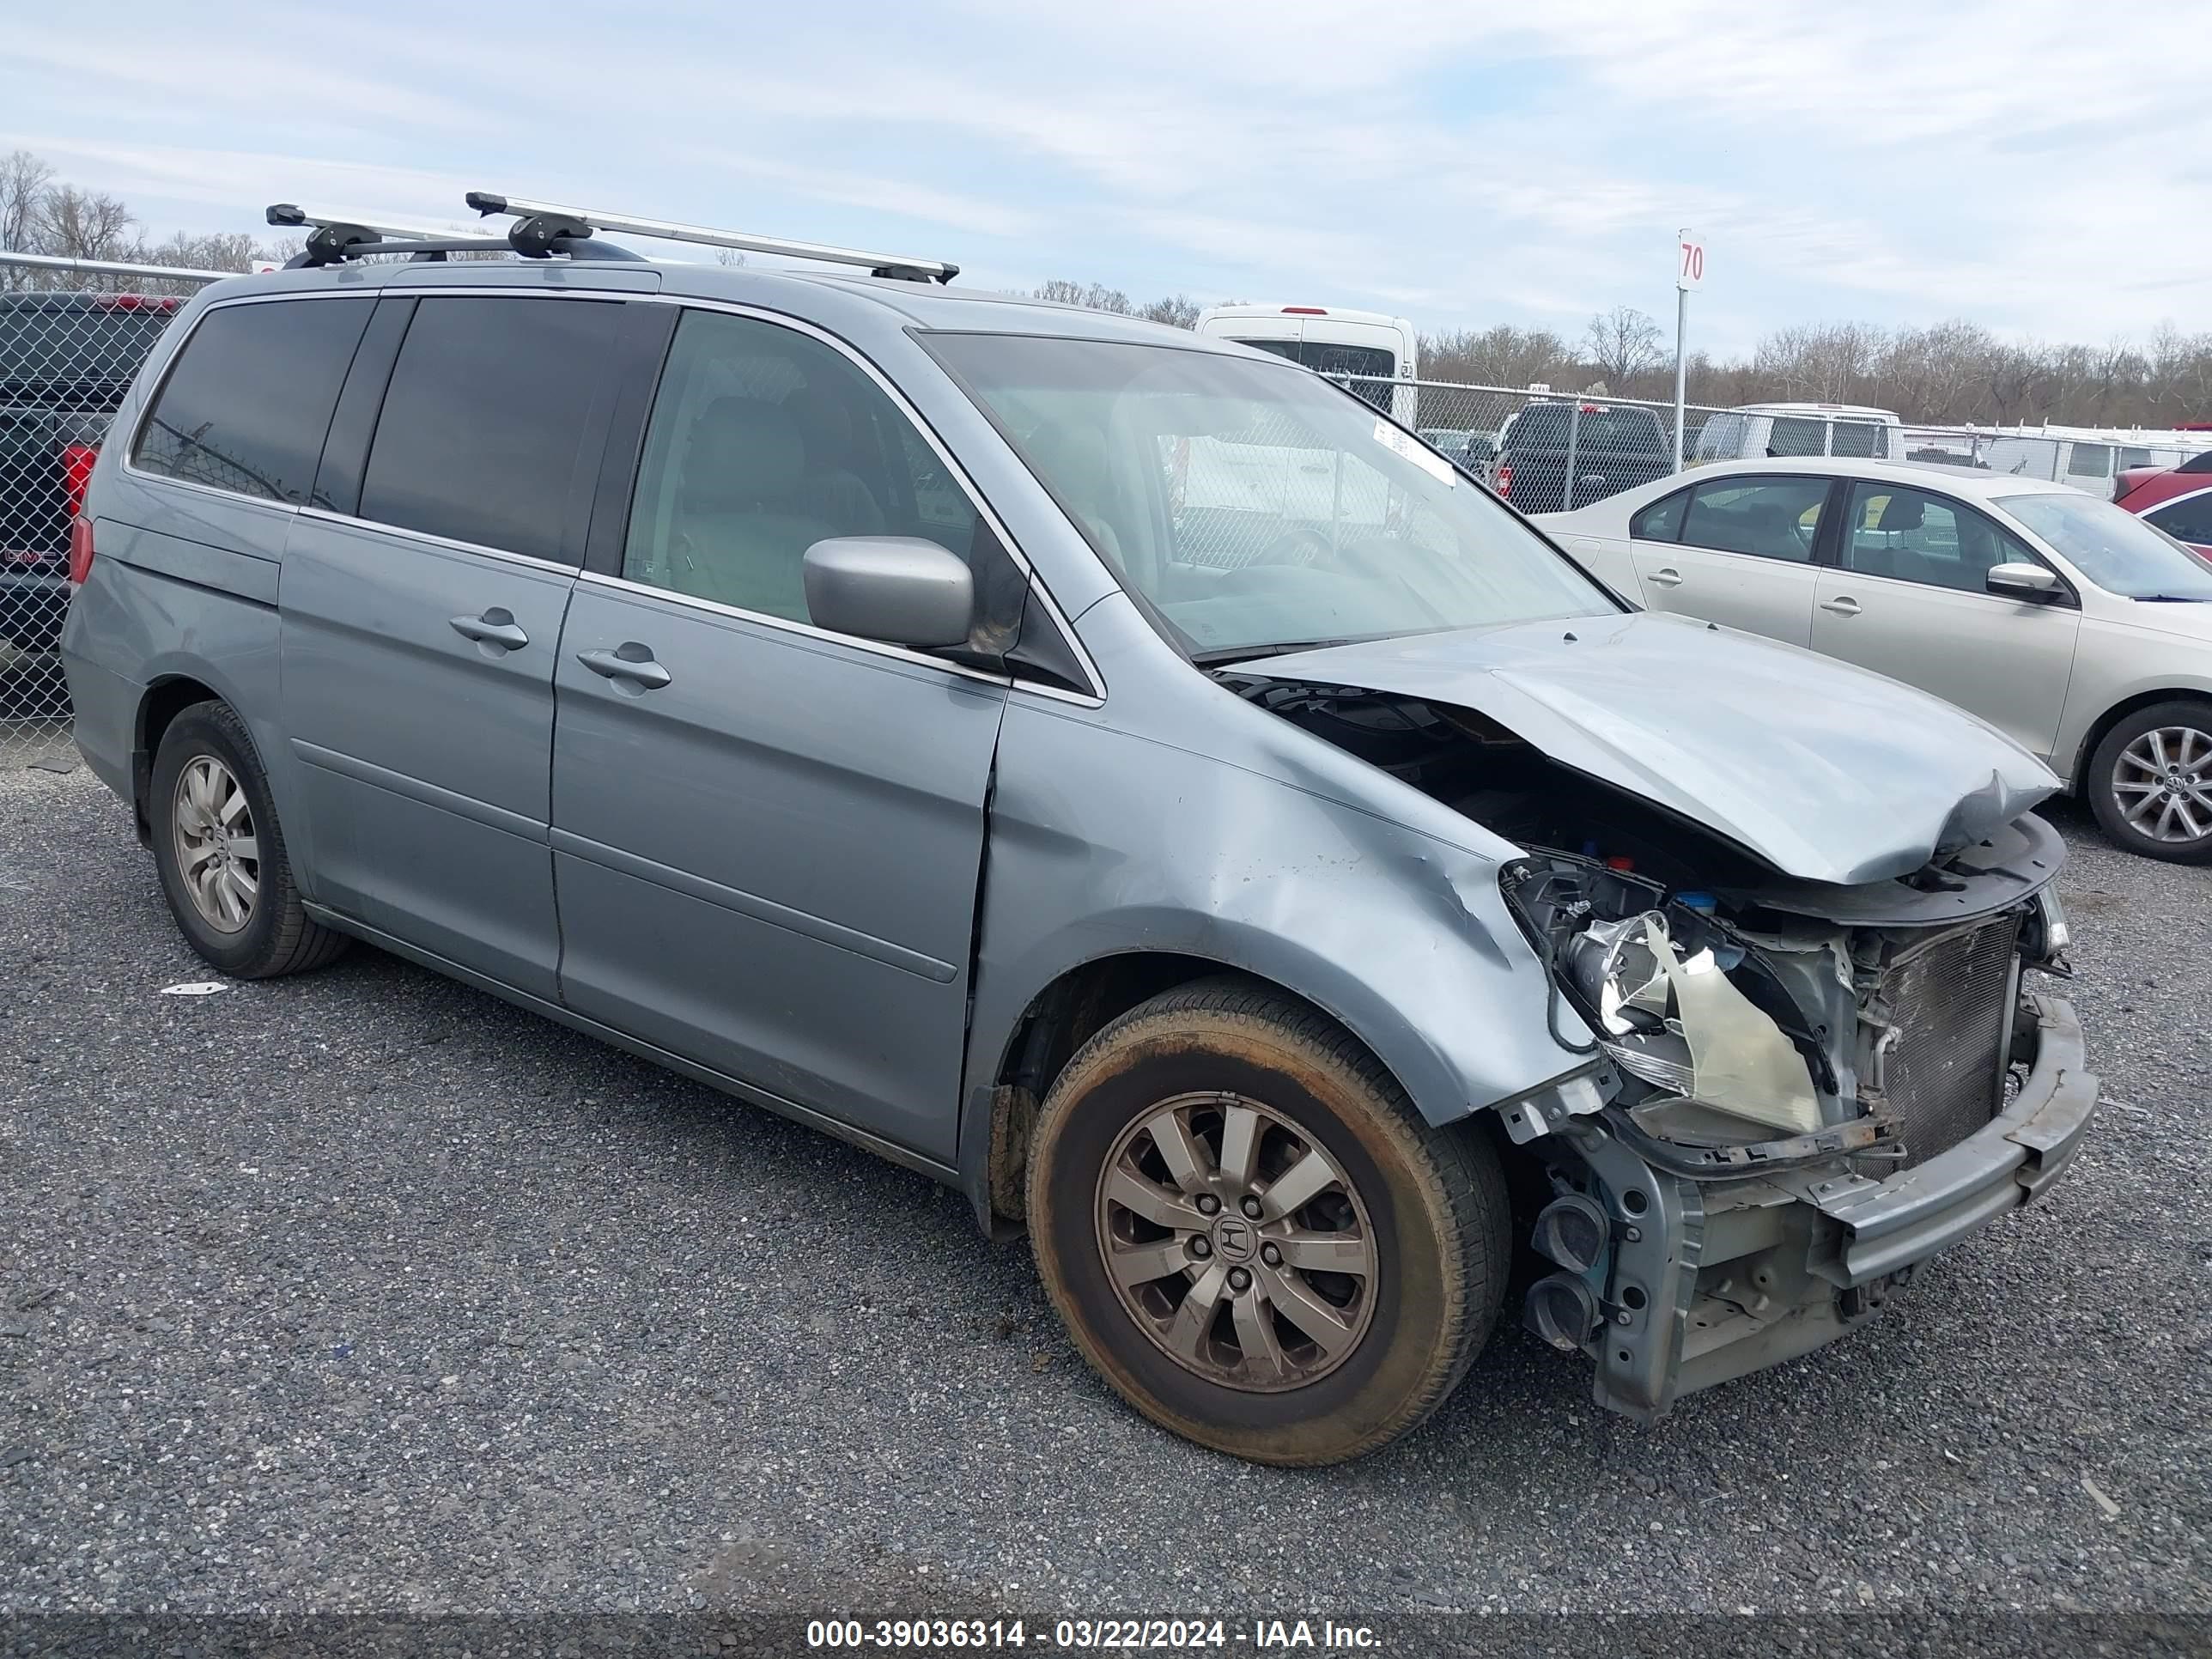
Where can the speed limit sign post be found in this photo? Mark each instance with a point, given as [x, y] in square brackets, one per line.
[1689, 277]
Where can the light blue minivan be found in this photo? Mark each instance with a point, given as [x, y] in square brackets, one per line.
[1297, 908]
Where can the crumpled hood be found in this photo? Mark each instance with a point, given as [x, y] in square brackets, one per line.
[1826, 772]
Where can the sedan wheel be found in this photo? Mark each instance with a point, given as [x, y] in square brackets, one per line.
[2163, 784]
[2150, 782]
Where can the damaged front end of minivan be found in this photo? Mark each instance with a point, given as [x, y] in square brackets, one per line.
[1795, 1087]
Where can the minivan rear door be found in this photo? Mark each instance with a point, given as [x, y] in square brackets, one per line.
[420, 607]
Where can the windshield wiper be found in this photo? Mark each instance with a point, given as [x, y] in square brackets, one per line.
[1244, 653]
[2169, 599]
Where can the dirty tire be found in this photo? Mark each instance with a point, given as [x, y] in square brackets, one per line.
[2106, 769]
[277, 937]
[1436, 1200]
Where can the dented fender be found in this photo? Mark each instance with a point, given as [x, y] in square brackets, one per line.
[1110, 838]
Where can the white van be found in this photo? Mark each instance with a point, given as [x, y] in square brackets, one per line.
[1329, 340]
[1758, 430]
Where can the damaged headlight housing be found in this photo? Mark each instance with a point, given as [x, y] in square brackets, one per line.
[1663, 1006]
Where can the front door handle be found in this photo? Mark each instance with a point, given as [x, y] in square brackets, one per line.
[1843, 605]
[1667, 576]
[628, 661]
[495, 627]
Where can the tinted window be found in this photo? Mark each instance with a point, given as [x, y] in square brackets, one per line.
[1914, 535]
[1859, 439]
[249, 400]
[484, 426]
[1792, 435]
[1662, 522]
[2188, 520]
[1550, 426]
[1773, 518]
[763, 441]
[67, 339]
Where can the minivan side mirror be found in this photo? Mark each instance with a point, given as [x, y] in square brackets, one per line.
[2022, 581]
[897, 590]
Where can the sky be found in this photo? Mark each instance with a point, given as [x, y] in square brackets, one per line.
[2044, 169]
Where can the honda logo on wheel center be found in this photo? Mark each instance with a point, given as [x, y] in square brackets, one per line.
[1234, 1238]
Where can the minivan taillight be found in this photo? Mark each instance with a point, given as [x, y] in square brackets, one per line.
[76, 472]
[80, 550]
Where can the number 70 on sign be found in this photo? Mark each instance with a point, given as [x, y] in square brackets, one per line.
[1689, 261]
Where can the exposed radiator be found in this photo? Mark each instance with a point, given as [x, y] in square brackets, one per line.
[1951, 1001]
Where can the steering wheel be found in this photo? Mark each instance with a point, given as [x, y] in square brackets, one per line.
[1300, 546]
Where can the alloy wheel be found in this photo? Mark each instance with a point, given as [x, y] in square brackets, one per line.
[2162, 784]
[1236, 1243]
[217, 853]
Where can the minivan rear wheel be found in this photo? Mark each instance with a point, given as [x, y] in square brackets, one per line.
[221, 852]
[1252, 1236]
[2150, 782]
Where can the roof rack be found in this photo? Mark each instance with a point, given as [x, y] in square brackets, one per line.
[333, 240]
[591, 220]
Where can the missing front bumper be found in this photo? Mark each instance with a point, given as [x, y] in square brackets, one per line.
[1712, 1280]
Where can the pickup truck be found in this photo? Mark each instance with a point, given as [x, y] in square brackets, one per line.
[65, 362]
[1613, 448]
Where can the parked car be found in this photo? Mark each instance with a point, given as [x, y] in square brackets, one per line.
[801, 682]
[1610, 447]
[2178, 499]
[1371, 349]
[65, 361]
[2068, 625]
[1477, 452]
[1772, 430]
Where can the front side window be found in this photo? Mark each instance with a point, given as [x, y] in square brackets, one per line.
[2188, 520]
[1249, 508]
[1722, 437]
[1914, 535]
[484, 425]
[2111, 547]
[763, 441]
[1769, 518]
[249, 401]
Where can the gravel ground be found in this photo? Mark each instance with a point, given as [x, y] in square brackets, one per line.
[362, 1290]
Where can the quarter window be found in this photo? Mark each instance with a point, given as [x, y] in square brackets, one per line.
[1769, 518]
[1662, 522]
[250, 399]
[763, 441]
[485, 426]
[1914, 535]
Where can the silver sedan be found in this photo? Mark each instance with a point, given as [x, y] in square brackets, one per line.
[2077, 630]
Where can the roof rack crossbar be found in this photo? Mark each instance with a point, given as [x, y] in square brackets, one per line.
[333, 240]
[882, 265]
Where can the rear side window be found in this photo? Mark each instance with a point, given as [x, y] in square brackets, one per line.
[484, 426]
[1860, 440]
[1768, 518]
[1792, 435]
[249, 400]
[2090, 461]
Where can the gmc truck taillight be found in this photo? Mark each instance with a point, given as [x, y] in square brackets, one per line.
[76, 472]
[80, 550]
[1505, 480]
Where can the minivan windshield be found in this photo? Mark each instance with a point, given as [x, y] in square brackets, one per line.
[1251, 508]
[2113, 547]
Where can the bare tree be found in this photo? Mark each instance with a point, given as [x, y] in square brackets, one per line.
[83, 224]
[1499, 356]
[1623, 343]
[1176, 310]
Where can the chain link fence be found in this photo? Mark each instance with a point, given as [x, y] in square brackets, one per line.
[72, 334]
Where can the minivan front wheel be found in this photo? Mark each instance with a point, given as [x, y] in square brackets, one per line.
[1251, 1235]
[2150, 782]
[221, 851]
